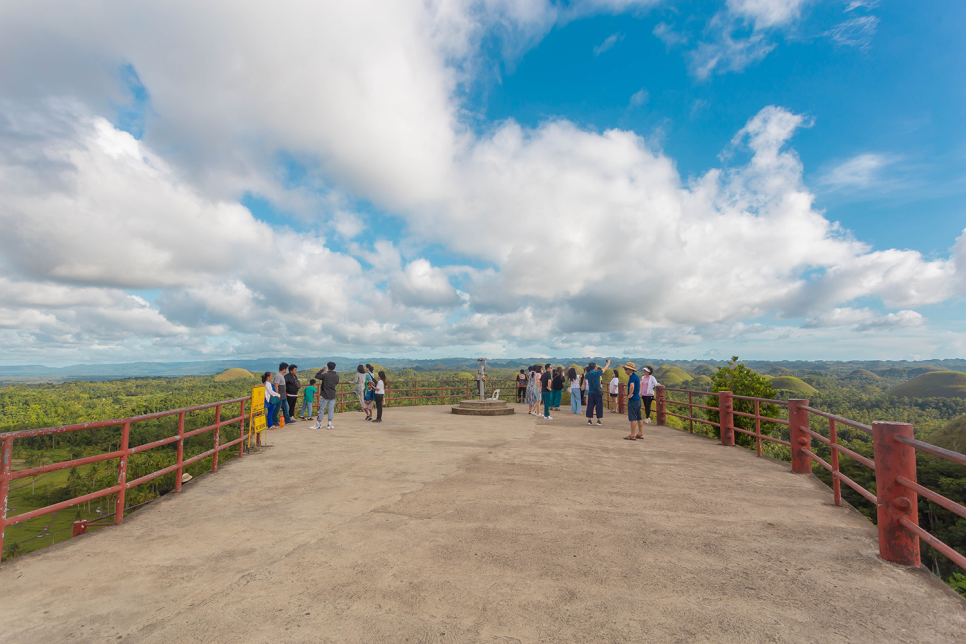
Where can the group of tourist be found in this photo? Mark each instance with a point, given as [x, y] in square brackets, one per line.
[541, 384]
[545, 384]
[282, 391]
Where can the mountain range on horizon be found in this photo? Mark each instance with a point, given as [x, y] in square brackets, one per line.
[36, 373]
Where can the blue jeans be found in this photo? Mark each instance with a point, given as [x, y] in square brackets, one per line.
[306, 409]
[575, 401]
[595, 401]
[323, 403]
[270, 418]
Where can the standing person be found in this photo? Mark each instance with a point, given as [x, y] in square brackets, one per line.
[292, 386]
[327, 396]
[634, 401]
[533, 393]
[278, 384]
[370, 391]
[271, 400]
[575, 393]
[556, 388]
[648, 383]
[545, 391]
[521, 386]
[595, 392]
[359, 386]
[615, 387]
[308, 399]
[380, 394]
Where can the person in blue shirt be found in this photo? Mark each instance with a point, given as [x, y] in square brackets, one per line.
[634, 402]
[595, 393]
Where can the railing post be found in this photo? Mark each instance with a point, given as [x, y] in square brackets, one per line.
[726, 417]
[122, 471]
[214, 457]
[895, 501]
[177, 480]
[6, 461]
[660, 397]
[797, 419]
[79, 528]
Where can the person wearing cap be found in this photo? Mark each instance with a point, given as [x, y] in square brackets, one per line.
[634, 402]
[648, 383]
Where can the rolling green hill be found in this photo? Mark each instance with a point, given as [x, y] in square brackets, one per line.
[793, 384]
[671, 376]
[935, 384]
[952, 436]
[234, 374]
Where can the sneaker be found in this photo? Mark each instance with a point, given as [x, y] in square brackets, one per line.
[647, 420]
[599, 423]
[378, 420]
[548, 417]
[590, 422]
[329, 426]
[316, 426]
[368, 418]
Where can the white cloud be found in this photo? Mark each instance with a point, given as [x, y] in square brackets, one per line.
[767, 13]
[639, 98]
[900, 319]
[608, 43]
[855, 32]
[861, 171]
[586, 238]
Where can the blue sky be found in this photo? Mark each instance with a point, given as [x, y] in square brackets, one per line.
[772, 178]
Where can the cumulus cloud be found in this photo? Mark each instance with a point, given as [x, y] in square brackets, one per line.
[557, 234]
[767, 13]
[900, 319]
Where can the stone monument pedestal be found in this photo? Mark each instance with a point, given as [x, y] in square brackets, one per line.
[483, 408]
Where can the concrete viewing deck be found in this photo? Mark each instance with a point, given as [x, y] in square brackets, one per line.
[431, 527]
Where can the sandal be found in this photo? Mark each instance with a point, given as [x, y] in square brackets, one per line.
[629, 438]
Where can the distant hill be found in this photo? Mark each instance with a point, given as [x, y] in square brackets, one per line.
[862, 377]
[671, 376]
[935, 384]
[234, 374]
[952, 436]
[704, 370]
[793, 384]
[779, 371]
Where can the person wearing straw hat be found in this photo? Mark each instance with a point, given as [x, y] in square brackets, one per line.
[634, 402]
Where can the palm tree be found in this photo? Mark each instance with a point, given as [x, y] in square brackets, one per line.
[13, 549]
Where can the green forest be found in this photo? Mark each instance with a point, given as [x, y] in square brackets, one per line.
[859, 394]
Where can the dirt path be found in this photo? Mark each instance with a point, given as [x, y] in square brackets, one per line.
[435, 528]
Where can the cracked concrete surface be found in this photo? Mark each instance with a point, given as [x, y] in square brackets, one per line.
[439, 528]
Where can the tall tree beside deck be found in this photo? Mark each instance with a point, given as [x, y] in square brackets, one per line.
[742, 381]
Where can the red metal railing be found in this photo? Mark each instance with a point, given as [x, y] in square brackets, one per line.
[894, 448]
[122, 454]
